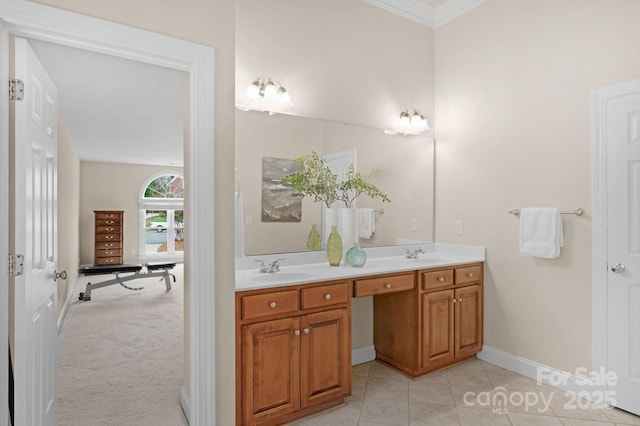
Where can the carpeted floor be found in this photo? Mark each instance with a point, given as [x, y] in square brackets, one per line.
[121, 355]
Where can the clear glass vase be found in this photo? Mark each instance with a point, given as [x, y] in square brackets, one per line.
[334, 247]
[314, 241]
[356, 256]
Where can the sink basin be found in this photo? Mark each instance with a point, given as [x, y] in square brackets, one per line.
[281, 276]
[426, 260]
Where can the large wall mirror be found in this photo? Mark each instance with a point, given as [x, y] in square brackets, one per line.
[408, 180]
[350, 69]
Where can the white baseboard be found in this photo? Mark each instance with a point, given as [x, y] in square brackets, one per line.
[544, 374]
[184, 403]
[362, 355]
[65, 306]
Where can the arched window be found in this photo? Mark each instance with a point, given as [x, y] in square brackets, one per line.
[161, 206]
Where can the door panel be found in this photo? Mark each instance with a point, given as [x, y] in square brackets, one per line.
[623, 285]
[34, 147]
[271, 368]
[326, 356]
[468, 320]
[437, 327]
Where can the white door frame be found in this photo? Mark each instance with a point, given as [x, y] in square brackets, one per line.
[32, 20]
[599, 272]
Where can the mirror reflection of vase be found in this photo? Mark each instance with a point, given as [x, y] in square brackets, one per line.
[348, 226]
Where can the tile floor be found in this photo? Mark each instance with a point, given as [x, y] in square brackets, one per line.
[474, 393]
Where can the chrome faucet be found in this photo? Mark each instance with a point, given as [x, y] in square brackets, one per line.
[269, 268]
[413, 254]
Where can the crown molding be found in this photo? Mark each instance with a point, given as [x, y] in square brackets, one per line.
[413, 10]
[423, 14]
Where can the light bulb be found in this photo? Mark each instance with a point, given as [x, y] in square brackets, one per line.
[404, 121]
[415, 122]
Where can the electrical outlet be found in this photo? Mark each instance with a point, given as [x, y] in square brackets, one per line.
[248, 220]
[414, 225]
[459, 227]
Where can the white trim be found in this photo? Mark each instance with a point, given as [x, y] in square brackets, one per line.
[65, 306]
[53, 25]
[413, 10]
[599, 248]
[362, 355]
[423, 14]
[543, 374]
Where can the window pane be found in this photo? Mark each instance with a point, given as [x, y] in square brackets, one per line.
[178, 226]
[167, 186]
[156, 231]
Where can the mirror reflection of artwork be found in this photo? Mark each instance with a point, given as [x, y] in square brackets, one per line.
[280, 202]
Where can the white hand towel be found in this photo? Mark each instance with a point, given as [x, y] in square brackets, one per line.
[366, 223]
[541, 232]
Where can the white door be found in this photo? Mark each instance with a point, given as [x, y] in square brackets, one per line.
[623, 282]
[35, 361]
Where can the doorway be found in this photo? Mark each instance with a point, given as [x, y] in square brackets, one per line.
[56, 26]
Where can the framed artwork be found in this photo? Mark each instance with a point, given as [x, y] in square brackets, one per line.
[280, 202]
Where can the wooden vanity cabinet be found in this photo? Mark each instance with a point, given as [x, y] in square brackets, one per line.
[293, 351]
[437, 324]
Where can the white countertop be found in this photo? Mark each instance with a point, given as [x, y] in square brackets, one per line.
[302, 268]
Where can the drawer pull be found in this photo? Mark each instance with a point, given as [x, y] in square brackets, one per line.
[109, 229]
[460, 299]
[109, 222]
[296, 332]
[306, 330]
[272, 305]
[109, 245]
[387, 285]
[453, 300]
[327, 296]
[109, 237]
[441, 279]
[470, 274]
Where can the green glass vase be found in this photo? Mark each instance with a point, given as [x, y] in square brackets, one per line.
[356, 256]
[314, 241]
[334, 247]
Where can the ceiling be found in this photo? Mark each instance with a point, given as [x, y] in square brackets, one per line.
[117, 110]
[122, 111]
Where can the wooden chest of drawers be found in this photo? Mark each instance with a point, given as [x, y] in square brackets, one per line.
[109, 248]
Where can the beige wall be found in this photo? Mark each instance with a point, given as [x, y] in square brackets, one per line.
[68, 214]
[211, 23]
[513, 121]
[108, 186]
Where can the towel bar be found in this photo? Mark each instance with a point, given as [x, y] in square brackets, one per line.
[577, 211]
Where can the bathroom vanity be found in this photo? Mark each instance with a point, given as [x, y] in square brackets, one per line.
[293, 327]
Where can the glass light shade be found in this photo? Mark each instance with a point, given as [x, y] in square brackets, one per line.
[415, 121]
[252, 91]
[404, 121]
[270, 92]
[283, 96]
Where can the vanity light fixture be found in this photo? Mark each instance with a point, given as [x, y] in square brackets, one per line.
[411, 122]
[267, 92]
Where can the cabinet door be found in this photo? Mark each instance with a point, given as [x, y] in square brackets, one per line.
[468, 320]
[271, 369]
[325, 357]
[437, 327]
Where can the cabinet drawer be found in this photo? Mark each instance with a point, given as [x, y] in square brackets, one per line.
[108, 260]
[326, 295]
[437, 279]
[108, 237]
[470, 274]
[108, 229]
[261, 305]
[108, 215]
[109, 253]
[382, 285]
[106, 245]
[108, 222]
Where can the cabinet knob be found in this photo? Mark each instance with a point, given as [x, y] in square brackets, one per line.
[306, 330]
[327, 296]
[460, 299]
[387, 285]
[296, 332]
[441, 279]
[453, 300]
[272, 305]
[470, 274]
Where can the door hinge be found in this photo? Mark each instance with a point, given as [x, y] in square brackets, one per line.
[16, 89]
[16, 265]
